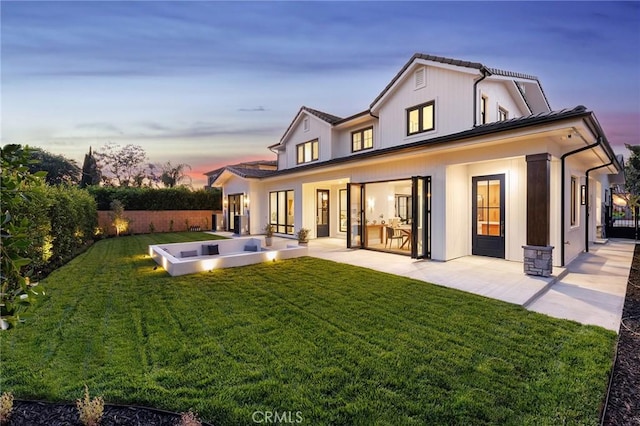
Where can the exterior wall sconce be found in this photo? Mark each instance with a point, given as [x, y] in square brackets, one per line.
[583, 195]
[246, 201]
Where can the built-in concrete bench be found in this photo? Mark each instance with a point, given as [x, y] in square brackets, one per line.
[199, 256]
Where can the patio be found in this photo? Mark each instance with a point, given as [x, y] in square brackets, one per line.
[590, 290]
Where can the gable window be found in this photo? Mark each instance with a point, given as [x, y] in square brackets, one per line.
[503, 114]
[362, 139]
[305, 124]
[483, 110]
[421, 118]
[307, 151]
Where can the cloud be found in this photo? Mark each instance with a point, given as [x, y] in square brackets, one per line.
[100, 126]
[256, 109]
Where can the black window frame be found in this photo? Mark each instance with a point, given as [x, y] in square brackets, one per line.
[280, 227]
[484, 104]
[361, 133]
[420, 108]
[302, 146]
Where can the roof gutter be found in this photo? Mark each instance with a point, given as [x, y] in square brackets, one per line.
[485, 73]
[563, 194]
[586, 228]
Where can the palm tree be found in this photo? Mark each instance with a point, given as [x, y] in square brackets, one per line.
[172, 175]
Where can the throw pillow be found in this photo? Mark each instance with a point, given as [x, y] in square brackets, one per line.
[189, 253]
[251, 247]
[210, 250]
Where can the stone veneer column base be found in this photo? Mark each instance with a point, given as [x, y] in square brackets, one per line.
[538, 260]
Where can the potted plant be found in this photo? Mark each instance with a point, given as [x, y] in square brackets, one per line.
[268, 234]
[303, 236]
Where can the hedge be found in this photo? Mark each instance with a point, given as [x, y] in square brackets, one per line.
[157, 199]
[62, 220]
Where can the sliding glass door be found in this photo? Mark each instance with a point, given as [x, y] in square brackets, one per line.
[355, 217]
[421, 225]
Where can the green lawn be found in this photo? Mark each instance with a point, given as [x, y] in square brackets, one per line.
[336, 343]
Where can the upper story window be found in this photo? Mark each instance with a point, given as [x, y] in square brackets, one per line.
[305, 124]
[307, 151]
[484, 101]
[503, 114]
[362, 139]
[421, 118]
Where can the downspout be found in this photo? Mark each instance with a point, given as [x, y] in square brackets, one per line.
[485, 73]
[563, 193]
[586, 192]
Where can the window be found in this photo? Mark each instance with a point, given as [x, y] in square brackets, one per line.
[362, 139]
[307, 151]
[503, 114]
[483, 110]
[421, 118]
[281, 211]
[343, 210]
[305, 124]
[574, 201]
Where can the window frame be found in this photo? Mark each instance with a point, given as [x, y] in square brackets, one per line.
[420, 109]
[314, 151]
[573, 217]
[484, 103]
[503, 113]
[361, 133]
[279, 227]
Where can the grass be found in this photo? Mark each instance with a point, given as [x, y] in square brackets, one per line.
[332, 343]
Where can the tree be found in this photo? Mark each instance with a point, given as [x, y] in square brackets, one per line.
[60, 170]
[16, 293]
[632, 182]
[90, 171]
[171, 176]
[123, 166]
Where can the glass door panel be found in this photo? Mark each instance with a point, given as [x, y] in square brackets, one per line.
[489, 207]
[355, 215]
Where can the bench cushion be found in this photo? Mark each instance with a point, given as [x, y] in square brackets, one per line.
[189, 253]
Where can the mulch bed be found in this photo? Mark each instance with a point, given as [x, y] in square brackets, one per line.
[623, 406]
[35, 413]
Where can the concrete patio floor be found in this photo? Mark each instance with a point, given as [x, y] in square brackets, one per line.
[590, 290]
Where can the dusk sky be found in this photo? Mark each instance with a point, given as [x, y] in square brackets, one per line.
[214, 83]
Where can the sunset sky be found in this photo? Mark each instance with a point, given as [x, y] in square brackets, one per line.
[214, 83]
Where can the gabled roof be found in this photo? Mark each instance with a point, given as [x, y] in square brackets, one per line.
[253, 169]
[490, 128]
[455, 62]
[329, 118]
[324, 116]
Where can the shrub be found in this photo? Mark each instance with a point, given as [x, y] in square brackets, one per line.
[120, 222]
[189, 419]
[16, 295]
[157, 199]
[90, 410]
[6, 407]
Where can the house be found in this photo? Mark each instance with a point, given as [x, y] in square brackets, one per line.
[451, 158]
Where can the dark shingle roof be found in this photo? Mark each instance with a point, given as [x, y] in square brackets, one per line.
[247, 172]
[450, 61]
[329, 118]
[485, 129]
